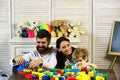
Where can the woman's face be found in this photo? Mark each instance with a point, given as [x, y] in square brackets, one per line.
[65, 47]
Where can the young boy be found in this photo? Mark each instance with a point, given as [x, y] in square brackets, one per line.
[80, 58]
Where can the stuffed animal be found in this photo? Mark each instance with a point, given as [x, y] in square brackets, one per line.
[20, 29]
[35, 26]
[74, 30]
[59, 28]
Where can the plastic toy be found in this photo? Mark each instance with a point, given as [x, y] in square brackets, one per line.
[61, 74]
[46, 27]
[30, 33]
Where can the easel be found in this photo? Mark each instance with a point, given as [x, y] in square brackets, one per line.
[113, 62]
[114, 46]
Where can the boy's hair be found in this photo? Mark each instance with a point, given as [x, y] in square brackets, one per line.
[59, 40]
[43, 34]
[80, 52]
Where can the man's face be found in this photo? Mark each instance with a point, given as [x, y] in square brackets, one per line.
[42, 45]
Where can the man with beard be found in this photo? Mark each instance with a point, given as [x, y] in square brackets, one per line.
[41, 56]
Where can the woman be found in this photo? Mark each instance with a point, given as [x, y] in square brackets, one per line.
[64, 51]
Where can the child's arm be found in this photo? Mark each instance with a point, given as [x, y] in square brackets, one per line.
[85, 64]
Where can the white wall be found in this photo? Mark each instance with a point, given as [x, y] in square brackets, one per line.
[96, 15]
[4, 36]
[104, 12]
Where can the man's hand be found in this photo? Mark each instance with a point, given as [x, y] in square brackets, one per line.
[19, 60]
[35, 63]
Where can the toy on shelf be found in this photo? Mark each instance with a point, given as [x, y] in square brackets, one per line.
[35, 26]
[29, 30]
[30, 33]
[21, 29]
[74, 30]
[46, 27]
[60, 28]
[61, 74]
[24, 29]
[57, 28]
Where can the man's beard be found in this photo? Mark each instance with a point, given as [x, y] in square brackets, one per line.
[43, 49]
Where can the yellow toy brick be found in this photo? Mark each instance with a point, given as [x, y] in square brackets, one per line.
[97, 78]
[27, 70]
[91, 74]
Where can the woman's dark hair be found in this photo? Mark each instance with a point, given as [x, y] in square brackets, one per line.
[59, 40]
[43, 34]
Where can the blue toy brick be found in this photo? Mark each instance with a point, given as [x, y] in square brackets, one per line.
[20, 68]
[75, 70]
[61, 78]
[55, 73]
[26, 64]
[46, 77]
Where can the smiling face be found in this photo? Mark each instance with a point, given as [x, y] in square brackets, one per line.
[42, 45]
[65, 47]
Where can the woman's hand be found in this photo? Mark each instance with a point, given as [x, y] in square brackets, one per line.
[66, 63]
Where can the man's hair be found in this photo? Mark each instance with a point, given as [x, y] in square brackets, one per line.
[59, 40]
[43, 34]
[80, 52]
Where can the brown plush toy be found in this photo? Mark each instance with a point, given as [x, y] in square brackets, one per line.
[59, 28]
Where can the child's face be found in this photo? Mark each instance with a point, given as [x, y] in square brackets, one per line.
[80, 59]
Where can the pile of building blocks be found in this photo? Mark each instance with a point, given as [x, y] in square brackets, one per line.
[61, 74]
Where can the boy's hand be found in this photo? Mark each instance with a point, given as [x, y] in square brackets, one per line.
[85, 64]
[19, 60]
[79, 63]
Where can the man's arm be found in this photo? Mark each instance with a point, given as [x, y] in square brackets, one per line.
[19, 60]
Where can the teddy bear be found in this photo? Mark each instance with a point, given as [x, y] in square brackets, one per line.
[74, 30]
[59, 28]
